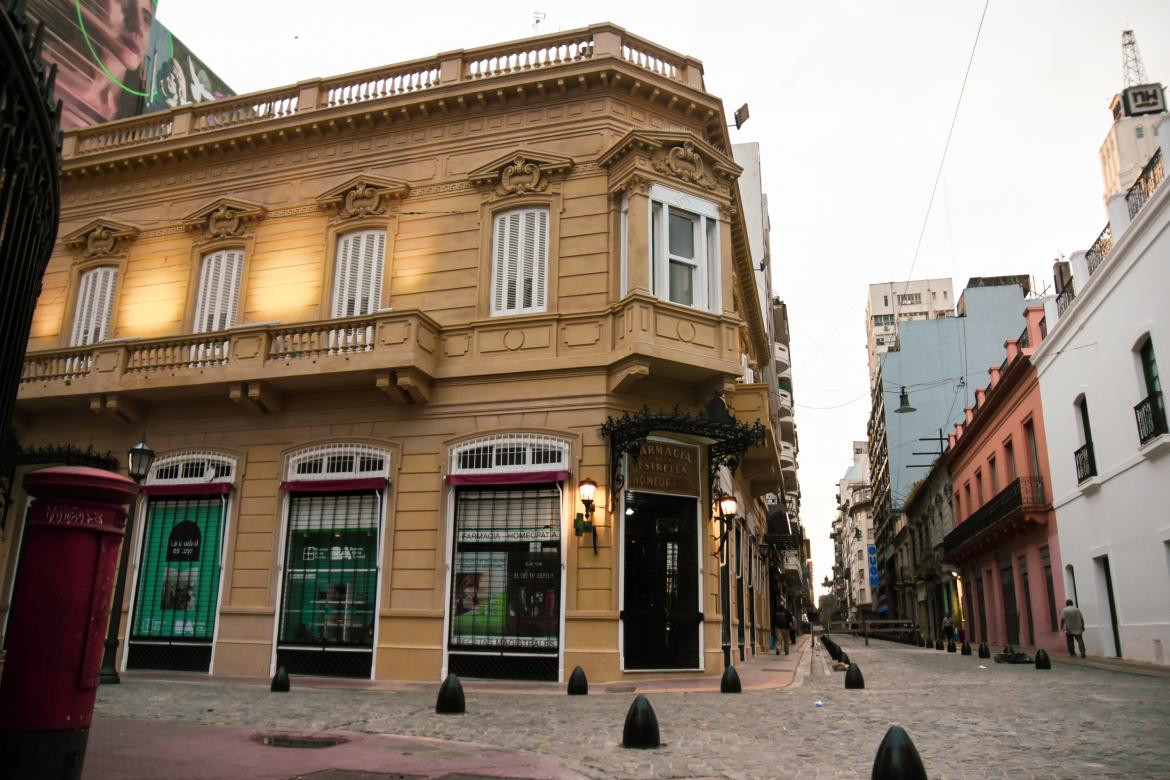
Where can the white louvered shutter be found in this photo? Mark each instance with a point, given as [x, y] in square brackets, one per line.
[520, 261]
[95, 306]
[357, 287]
[219, 290]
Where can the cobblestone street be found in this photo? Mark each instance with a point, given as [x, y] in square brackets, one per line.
[968, 718]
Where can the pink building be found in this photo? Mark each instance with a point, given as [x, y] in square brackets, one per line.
[1004, 542]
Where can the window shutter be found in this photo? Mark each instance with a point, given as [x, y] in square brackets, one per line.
[361, 258]
[219, 291]
[520, 261]
[95, 306]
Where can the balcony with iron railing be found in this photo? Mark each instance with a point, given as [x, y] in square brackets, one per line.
[1086, 463]
[1021, 495]
[1065, 298]
[431, 85]
[1100, 249]
[1145, 184]
[1151, 417]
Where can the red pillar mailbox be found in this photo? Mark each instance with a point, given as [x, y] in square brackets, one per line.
[59, 615]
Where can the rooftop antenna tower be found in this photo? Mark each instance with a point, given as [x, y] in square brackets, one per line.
[537, 18]
[1131, 60]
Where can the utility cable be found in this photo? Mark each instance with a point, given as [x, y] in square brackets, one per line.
[946, 146]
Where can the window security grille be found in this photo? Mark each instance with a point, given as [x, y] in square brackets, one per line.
[519, 261]
[192, 467]
[510, 453]
[506, 582]
[338, 461]
[178, 584]
[330, 584]
[95, 306]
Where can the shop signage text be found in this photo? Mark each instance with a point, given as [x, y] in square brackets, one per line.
[663, 467]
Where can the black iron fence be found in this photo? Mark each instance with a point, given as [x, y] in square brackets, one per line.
[1021, 494]
[30, 195]
[1086, 463]
[1147, 181]
[1065, 298]
[1151, 417]
[1100, 249]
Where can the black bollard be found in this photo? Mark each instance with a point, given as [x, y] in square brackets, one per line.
[984, 650]
[280, 681]
[641, 729]
[1008, 650]
[938, 644]
[845, 658]
[451, 701]
[853, 678]
[897, 758]
[1042, 659]
[965, 649]
[730, 682]
[578, 683]
[951, 646]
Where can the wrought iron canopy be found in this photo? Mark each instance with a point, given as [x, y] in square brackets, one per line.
[729, 439]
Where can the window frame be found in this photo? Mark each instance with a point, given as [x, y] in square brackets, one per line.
[333, 235]
[195, 300]
[200, 250]
[537, 307]
[488, 212]
[69, 325]
[707, 287]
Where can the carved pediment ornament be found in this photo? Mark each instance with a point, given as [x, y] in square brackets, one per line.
[363, 197]
[224, 219]
[685, 163]
[522, 172]
[102, 238]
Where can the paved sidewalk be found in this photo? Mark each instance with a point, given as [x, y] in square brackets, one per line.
[969, 717]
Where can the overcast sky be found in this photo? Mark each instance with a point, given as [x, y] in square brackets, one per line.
[850, 103]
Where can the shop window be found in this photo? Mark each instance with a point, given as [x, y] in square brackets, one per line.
[510, 452]
[520, 261]
[219, 290]
[95, 306]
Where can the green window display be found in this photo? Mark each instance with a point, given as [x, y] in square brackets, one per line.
[330, 570]
[178, 580]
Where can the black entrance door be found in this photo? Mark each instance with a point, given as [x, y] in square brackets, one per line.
[661, 615]
[1011, 617]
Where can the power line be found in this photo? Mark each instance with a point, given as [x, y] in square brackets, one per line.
[837, 406]
[947, 146]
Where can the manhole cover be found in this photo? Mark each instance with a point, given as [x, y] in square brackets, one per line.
[298, 740]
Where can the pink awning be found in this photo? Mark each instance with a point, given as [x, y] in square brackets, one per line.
[508, 478]
[195, 489]
[333, 485]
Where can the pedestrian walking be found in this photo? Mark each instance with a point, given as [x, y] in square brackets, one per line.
[1072, 623]
[792, 628]
[780, 620]
[948, 628]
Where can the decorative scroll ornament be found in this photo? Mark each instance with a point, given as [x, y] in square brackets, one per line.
[102, 238]
[521, 172]
[224, 219]
[363, 196]
[521, 177]
[685, 163]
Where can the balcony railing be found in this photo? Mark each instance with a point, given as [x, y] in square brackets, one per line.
[392, 81]
[1021, 495]
[1147, 181]
[1100, 249]
[1086, 463]
[1151, 417]
[1065, 298]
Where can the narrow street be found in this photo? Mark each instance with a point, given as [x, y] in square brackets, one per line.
[968, 717]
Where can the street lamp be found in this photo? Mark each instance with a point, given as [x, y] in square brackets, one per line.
[728, 507]
[138, 462]
[583, 523]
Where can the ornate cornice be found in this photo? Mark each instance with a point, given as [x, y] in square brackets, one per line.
[102, 238]
[678, 154]
[362, 196]
[521, 172]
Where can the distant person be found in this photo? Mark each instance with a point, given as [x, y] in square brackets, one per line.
[791, 628]
[780, 620]
[1072, 623]
[948, 628]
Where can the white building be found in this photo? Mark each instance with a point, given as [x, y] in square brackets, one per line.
[853, 535]
[892, 302]
[1109, 331]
